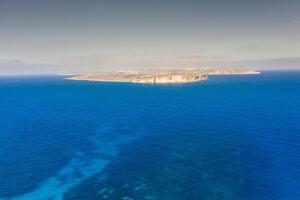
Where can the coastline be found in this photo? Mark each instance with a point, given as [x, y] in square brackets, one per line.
[161, 76]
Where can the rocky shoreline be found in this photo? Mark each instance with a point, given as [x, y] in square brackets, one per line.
[161, 76]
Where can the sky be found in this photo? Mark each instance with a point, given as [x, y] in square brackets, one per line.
[61, 36]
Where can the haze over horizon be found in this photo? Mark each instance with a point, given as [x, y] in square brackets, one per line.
[61, 36]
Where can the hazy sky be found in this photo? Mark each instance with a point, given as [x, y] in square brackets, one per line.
[129, 34]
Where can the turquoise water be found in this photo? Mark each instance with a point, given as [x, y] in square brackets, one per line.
[231, 137]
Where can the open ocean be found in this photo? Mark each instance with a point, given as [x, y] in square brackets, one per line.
[234, 137]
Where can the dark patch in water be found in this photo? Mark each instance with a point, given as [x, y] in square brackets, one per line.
[184, 166]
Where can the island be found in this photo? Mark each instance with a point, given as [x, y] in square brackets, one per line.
[161, 76]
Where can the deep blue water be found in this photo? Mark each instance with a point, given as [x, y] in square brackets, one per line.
[231, 137]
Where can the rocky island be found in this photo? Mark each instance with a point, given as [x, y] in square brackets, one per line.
[161, 76]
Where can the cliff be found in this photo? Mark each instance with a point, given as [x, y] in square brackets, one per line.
[161, 76]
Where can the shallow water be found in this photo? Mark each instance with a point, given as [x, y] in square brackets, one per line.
[231, 137]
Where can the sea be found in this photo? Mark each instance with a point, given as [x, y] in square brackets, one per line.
[233, 137]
